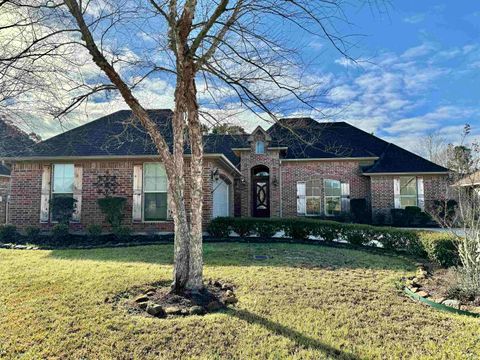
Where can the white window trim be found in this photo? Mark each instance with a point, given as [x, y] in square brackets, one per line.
[325, 197]
[166, 220]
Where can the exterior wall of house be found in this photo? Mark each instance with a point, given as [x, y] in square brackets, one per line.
[435, 188]
[248, 160]
[26, 191]
[4, 191]
[344, 171]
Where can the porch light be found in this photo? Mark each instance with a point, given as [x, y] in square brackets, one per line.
[274, 180]
[215, 174]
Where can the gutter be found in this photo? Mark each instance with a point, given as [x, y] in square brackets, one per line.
[222, 157]
[408, 173]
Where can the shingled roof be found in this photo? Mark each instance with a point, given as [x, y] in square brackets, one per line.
[120, 134]
[13, 142]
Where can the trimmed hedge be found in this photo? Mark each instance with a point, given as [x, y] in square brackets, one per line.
[437, 247]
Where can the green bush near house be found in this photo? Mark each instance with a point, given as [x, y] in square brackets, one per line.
[94, 231]
[63, 208]
[60, 234]
[8, 233]
[112, 207]
[410, 216]
[437, 247]
[32, 233]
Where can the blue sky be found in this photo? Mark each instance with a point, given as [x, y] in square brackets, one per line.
[417, 72]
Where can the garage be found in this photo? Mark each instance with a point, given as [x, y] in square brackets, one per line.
[221, 195]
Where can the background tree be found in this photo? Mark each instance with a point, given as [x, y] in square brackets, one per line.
[236, 49]
[228, 129]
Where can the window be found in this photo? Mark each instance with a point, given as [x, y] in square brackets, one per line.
[62, 184]
[312, 197]
[63, 179]
[333, 195]
[260, 147]
[408, 191]
[155, 204]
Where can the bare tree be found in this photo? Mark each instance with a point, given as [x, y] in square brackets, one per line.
[228, 46]
[434, 147]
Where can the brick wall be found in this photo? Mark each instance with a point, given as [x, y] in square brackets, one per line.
[4, 191]
[248, 160]
[344, 171]
[26, 191]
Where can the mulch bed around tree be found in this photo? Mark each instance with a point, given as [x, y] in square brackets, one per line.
[157, 300]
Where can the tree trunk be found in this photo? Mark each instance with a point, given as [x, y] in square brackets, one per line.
[188, 221]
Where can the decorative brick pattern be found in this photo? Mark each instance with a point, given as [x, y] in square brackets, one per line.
[26, 190]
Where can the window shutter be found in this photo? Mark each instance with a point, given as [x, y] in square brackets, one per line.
[301, 201]
[45, 194]
[345, 188]
[77, 192]
[137, 193]
[396, 193]
[420, 193]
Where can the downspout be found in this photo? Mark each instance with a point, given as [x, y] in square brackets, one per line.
[280, 184]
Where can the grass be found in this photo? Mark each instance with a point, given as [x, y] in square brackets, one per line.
[304, 302]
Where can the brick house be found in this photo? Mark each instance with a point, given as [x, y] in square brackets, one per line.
[298, 167]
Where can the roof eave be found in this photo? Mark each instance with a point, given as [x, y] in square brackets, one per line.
[407, 173]
[109, 157]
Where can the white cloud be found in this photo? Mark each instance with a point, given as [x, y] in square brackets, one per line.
[414, 19]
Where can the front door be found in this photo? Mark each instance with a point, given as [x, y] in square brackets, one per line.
[261, 193]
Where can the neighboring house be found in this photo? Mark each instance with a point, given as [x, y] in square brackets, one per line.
[298, 167]
[471, 181]
[13, 141]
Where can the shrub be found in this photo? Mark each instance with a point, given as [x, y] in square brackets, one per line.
[328, 231]
[266, 228]
[242, 226]
[60, 234]
[360, 211]
[219, 227]
[122, 233]
[297, 229]
[410, 216]
[62, 208]
[439, 247]
[94, 231]
[33, 233]
[8, 233]
[357, 234]
[112, 208]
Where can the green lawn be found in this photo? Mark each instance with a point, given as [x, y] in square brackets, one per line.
[305, 302]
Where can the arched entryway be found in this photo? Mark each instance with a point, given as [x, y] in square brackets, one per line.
[260, 191]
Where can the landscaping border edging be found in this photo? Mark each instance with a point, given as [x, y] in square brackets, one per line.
[438, 306]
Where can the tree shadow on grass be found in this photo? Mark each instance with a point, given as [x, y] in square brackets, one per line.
[295, 336]
[242, 254]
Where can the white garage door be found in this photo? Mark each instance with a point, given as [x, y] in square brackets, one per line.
[220, 198]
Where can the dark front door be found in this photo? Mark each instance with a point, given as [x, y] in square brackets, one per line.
[261, 193]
